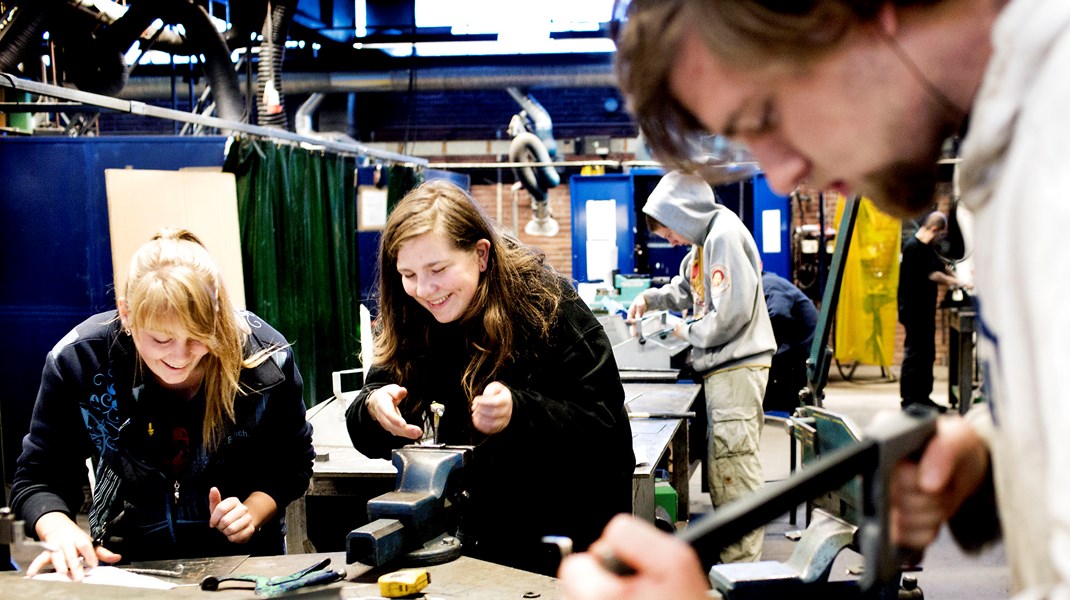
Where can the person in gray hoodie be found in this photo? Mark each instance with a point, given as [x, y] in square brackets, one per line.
[731, 334]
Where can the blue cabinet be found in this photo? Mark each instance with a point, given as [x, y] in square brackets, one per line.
[609, 230]
[603, 226]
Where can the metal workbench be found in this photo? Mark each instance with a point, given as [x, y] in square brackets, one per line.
[341, 471]
[462, 578]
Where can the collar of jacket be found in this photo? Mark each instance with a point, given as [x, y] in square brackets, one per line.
[267, 374]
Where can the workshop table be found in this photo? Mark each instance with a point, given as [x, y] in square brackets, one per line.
[341, 471]
[465, 577]
[652, 437]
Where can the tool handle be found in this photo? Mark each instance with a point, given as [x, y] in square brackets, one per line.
[615, 565]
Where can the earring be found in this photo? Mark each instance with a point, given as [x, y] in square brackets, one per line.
[127, 331]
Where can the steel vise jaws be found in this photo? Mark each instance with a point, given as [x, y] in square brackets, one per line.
[414, 520]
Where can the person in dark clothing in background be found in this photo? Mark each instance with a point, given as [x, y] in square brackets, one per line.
[475, 320]
[794, 319]
[919, 271]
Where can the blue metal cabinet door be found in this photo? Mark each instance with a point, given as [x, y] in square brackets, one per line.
[772, 218]
[603, 227]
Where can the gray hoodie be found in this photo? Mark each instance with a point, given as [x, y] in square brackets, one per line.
[733, 327]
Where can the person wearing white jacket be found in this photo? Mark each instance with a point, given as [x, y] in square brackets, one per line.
[859, 97]
[731, 336]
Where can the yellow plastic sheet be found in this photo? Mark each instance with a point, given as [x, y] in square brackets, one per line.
[866, 315]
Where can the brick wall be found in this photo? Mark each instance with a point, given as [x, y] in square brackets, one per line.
[558, 249]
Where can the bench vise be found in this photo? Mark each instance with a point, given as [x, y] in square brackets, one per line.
[414, 521]
[865, 526]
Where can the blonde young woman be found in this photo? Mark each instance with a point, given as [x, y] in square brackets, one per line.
[475, 321]
[191, 411]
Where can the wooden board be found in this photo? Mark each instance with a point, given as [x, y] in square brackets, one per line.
[141, 202]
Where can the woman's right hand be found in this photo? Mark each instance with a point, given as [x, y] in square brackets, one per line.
[382, 405]
[71, 550]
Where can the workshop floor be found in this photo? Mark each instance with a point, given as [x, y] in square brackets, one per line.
[947, 573]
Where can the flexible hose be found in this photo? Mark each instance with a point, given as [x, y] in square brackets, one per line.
[20, 25]
[271, 105]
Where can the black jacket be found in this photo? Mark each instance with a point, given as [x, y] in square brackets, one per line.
[916, 292]
[564, 463]
[95, 401]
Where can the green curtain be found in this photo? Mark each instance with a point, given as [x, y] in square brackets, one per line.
[297, 213]
[401, 179]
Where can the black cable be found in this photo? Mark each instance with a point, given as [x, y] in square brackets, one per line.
[929, 86]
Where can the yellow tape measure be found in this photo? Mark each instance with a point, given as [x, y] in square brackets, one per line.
[403, 583]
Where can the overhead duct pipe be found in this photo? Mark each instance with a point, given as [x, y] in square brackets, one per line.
[528, 146]
[431, 79]
[271, 102]
[303, 121]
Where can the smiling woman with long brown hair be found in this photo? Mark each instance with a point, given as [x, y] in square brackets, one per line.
[474, 320]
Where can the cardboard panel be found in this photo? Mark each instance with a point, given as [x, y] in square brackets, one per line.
[141, 202]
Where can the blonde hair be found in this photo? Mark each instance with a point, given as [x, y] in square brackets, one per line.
[516, 295]
[172, 279]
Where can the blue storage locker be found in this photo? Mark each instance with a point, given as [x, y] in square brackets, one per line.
[770, 226]
[603, 226]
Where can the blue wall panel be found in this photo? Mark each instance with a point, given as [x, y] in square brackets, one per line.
[55, 248]
[618, 188]
[772, 237]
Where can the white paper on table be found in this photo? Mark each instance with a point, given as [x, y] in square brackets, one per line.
[107, 575]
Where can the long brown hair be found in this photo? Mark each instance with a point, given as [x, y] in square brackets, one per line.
[747, 34]
[172, 278]
[516, 295]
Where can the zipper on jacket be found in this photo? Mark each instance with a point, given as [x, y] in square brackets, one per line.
[177, 486]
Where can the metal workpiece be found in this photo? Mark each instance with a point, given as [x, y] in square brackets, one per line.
[178, 571]
[437, 410]
[414, 519]
[653, 347]
[13, 532]
[11, 529]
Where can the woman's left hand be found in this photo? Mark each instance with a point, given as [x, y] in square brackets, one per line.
[492, 410]
[230, 516]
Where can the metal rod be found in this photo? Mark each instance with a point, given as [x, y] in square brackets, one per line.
[140, 108]
[661, 415]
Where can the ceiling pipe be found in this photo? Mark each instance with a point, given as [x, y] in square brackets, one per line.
[431, 79]
[303, 122]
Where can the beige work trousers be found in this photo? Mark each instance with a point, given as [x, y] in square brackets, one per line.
[733, 437]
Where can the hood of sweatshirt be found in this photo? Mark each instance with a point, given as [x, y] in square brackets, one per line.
[684, 203]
